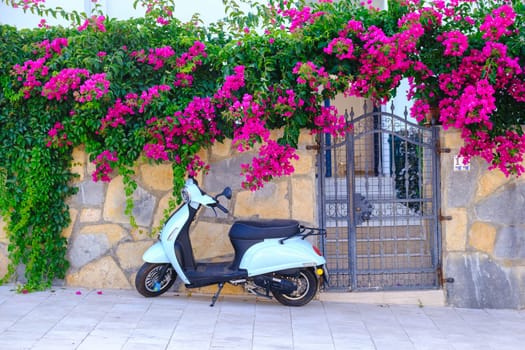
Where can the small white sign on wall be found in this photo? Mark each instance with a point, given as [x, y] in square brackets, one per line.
[459, 164]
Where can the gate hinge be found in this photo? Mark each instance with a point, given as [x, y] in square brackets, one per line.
[313, 147]
[445, 150]
[445, 218]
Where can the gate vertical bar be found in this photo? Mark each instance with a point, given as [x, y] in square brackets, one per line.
[437, 251]
[350, 184]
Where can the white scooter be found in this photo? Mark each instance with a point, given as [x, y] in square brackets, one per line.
[271, 256]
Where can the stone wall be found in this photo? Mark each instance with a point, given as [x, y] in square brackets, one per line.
[484, 243]
[105, 252]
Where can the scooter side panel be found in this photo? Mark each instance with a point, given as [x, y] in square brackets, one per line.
[270, 255]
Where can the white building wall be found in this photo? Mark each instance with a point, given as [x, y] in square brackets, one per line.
[209, 10]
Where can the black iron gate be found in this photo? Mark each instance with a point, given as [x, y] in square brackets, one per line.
[379, 202]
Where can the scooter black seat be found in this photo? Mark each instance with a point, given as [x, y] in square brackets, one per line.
[261, 229]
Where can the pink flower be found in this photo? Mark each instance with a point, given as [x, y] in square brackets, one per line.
[274, 160]
[496, 24]
[103, 165]
[455, 42]
[94, 22]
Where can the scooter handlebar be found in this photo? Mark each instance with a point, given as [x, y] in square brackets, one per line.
[221, 207]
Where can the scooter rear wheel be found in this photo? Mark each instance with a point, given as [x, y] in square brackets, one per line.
[307, 286]
[147, 279]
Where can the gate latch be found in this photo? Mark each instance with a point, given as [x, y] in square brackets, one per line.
[313, 147]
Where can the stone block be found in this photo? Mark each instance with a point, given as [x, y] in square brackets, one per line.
[452, 139]
[115, 205]
[90, 215]
[4, 261]
[163, 205]
[225, 173]
[306, 139]
[221, 149]
[129, 254]
[73, 213]
[479, 282]
[460, 186]
[142, 234]
[482, 237]
[78, 164]
[519, 272]
[157, 177]
[455, 231]
[305, 164]
[89, 194]
[3, 232]
[90, 169]
[272, 201]
[303, 199]
[510, 243]
[144, 204]
[114, 233]
[87, 248]
[504, 207]
[489, 182]
[210, 240]
[103, 273]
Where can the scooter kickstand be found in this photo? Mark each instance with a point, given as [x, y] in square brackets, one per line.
[216, 295]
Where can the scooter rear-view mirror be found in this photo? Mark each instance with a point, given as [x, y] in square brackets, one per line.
[227, 192]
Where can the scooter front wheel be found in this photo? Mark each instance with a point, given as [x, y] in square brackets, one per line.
[153, 280]
[307, 286]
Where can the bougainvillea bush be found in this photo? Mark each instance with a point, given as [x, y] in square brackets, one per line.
[158, 88]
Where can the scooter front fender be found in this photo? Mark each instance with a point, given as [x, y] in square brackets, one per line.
[156, 254]
[271, 255]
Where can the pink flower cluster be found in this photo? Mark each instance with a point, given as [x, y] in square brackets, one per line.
[94, 22]
[32, 71]
[196, 165]
[95, 87]
[27, 4]
[30, 74]
[116, 115]
[156, 57]
[52, 47]
[103, 165]
[57, 138]
[342, 47]
[469, 95]
[248, 117]
[310, 74]
[331, 122]
[455, 42]
[194, 55]
[153, 92]
[274, 160]
[496, 24]
[287, 105]
[68, 79]
[504, 152]
[298, 18]
[196, 122]
[231, 84]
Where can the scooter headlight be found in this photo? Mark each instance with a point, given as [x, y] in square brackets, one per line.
[185, 195]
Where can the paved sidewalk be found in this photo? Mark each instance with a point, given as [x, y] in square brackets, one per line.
[83, 319]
